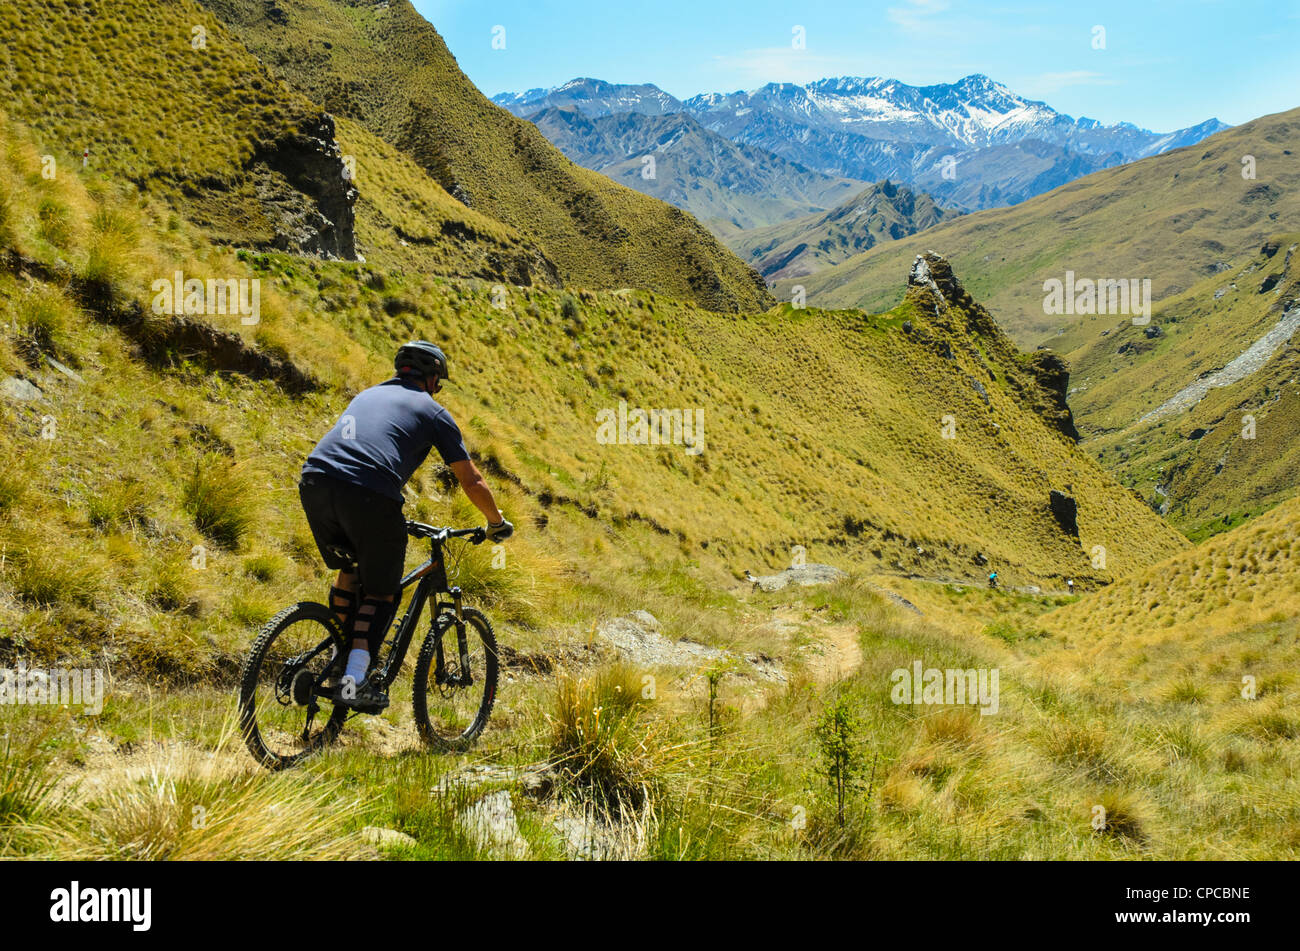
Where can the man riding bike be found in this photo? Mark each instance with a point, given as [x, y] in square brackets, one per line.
[351, 492]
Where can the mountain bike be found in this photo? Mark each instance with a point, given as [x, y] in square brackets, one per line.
[288, 685]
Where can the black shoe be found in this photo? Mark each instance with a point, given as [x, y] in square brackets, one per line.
[366, 698]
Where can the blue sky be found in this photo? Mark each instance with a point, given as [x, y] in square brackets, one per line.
[1165, 65]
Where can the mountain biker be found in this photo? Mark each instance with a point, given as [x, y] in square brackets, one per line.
[351, 492]
[993, 579]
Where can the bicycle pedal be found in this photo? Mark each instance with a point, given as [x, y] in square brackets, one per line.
[365, 699]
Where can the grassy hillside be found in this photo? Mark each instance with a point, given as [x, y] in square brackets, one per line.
[1195, 602]
[1194, 453]
[788, 459]
[727, 185]
[213, 134]
[884, 212]
[1173, 218]
[1212, 630]
[149, 526]
[385, 67]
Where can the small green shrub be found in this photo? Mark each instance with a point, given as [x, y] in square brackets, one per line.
[839, 747]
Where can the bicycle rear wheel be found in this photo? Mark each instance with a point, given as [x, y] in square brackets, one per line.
[280, 715]
[452, 703]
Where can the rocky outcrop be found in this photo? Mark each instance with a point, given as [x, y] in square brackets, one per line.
[20, 390]
[302, 181]
[386, 839]
[802, 575]
[932, 285]
[637, 639]
[1066, 511]
[1052, 375]
[490, 823]
[1039, 382]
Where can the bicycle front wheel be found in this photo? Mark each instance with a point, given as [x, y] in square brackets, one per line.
[453, 701]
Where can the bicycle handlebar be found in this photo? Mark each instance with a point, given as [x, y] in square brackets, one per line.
[476, 536]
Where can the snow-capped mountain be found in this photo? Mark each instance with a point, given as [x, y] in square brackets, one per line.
[974, 112]
[972, 144]
[593, 98]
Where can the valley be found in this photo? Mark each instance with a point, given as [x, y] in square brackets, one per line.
[909, 466]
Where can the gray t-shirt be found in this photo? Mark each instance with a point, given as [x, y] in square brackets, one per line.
[383, 436]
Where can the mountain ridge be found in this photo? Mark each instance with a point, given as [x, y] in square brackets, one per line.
[881, 212]
[1174, 218]
[673, 158]
[871, 128]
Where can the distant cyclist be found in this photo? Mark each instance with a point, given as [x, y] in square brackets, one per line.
[993, 579]
[351, 491]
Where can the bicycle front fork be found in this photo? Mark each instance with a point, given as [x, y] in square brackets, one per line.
[464, 676]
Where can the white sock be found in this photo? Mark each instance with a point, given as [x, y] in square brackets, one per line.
[358, 664]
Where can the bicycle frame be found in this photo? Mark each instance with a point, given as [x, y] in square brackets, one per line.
[430, 580]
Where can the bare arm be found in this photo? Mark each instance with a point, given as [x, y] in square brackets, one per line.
[471, 480]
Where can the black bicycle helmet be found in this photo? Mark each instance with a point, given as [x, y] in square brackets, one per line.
[423, 358]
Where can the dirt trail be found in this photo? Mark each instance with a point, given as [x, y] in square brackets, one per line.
[831, 653]
[834, 651]
[840, 654]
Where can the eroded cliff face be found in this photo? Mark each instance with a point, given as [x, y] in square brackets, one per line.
[1052, 375]
[306, 187]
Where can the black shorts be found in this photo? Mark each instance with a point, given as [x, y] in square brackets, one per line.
[353, 525]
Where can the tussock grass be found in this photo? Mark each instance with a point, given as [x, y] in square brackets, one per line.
[28, 786]
[12, 481]
[1125, 817]
[170, 585]
[598, 740]
[112, 246]
[41, 571]
[182, 804]
[221, 498]
[45, 317]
